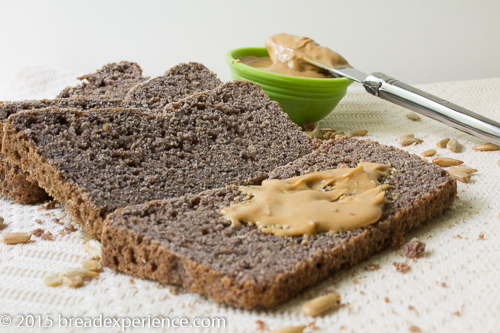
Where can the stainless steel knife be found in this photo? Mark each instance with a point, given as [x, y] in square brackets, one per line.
[392, 90]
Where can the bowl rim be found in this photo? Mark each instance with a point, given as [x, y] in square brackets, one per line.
[231, 61]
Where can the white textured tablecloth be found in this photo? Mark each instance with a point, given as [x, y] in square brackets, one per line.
[455, 287]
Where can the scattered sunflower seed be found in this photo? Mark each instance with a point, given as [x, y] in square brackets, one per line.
[361, 132]
[486, 147]
[72, 281]
[15, 237]
[430, 152]
[92, 264]
[79, 271]
[413, 116]
[454, 146]
[463, 168]
[443, 142]
[93, 248]
[408, 139]
[83, 235]
[459, 175]
[316, 134]
[321, 304]
[446, 161]
[52, 279]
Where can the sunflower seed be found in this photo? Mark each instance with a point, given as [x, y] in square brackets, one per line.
[486, 147]
[446, 161]
[362, 132]
[408, 139]
[320, 304]
[454, 146]
[2, 223]
[83, 235]
[316, 134]
[413, 116]
[15, 237]
[443, 142]
[79, 271]
[92, 264]
[464, 168]
[93, 248]
[459, 175]
[52, 279]
[72, 281]
[429, 152]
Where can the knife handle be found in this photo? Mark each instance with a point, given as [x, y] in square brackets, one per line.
[392, 90]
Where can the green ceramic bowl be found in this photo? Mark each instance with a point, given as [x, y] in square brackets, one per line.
[304, 99]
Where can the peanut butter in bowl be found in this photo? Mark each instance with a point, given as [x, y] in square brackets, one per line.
[287, 53]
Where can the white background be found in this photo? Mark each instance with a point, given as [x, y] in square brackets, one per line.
[415, 41]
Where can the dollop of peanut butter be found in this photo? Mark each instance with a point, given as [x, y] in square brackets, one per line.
[323, 201]
[287, 54]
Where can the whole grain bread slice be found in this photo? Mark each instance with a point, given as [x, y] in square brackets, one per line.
[178, 82]
[113, 81]
[186, 241]
[100, 160]
[16, 184]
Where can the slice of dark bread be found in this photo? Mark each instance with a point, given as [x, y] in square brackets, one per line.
[100, 160]
[14, 183]
[111, 81]
[178, 82]
[186, 241]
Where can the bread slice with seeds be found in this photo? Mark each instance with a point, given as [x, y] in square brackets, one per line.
[186, 241]
[100, 160]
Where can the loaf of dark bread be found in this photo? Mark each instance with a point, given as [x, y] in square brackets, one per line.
[178, 82]
[186, 241]
[111, 81]
[14, 183]
[100, 160]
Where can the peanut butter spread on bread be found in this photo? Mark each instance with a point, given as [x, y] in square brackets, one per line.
[324, 201]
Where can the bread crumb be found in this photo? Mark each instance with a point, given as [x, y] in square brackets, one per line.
[481, 236]
[414, 329]
[48, 205]
[414, 248]
[387, 300]
[401, 267]
[457, 313]
[132, 281]
[372, 267]
[39, 221]
[261, 325]
[57, 221]
[41, 233]
[312, 325]
[355, 281]
[443, 284]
